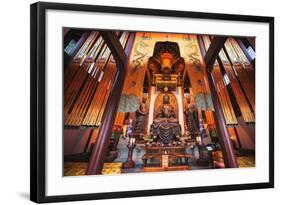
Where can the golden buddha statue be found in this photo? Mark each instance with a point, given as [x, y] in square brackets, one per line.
[166, 112]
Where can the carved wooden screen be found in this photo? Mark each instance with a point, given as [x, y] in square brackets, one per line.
[246, 112]
[243, 69]
[88, 88]
[225, 101]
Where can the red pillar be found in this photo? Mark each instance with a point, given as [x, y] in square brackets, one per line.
[101, 146]
[222, 130]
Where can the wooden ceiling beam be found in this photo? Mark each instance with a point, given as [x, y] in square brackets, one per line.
[115, 46]
[252, 41]
[213, 51]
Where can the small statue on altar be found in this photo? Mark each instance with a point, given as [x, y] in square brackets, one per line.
[203, 131]
[129, 129]
[191, 117]
[141, 114]
[203, 152]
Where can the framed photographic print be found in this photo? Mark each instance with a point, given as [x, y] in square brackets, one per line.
[129, 102]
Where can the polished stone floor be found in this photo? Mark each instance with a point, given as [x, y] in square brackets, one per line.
[79, 168]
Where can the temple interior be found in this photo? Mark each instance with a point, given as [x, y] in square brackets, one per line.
[150, 102]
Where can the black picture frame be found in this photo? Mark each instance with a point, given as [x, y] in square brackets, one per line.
[38, 100]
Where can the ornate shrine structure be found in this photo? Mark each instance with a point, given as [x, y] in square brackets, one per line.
[145, 102]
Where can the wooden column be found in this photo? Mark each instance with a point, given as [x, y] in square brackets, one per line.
[222, 130]
[99, 152]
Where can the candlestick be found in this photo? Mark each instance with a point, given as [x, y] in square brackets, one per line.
[131, 145]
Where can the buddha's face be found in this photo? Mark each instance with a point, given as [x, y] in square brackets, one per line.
[166, 110]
